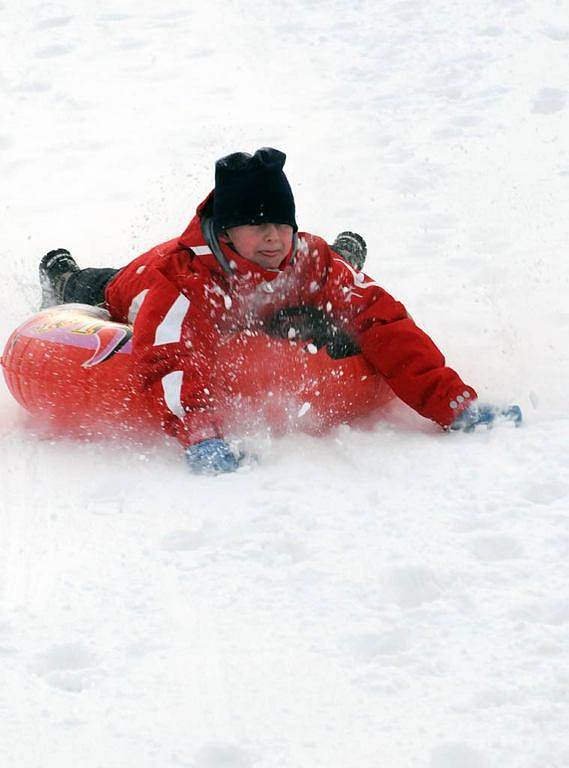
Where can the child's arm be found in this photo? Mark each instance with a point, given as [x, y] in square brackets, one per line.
[172, 336]
[397, 348]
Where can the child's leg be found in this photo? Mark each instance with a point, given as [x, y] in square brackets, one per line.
[62, 281]
[87, 286]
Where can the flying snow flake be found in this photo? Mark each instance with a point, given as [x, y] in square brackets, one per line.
[312, 349]
[305, 407]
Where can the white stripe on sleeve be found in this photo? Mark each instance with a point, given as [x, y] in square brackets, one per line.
[170, 329]
[359, 277]
[172, 386]
[135, 306]
[201, 250]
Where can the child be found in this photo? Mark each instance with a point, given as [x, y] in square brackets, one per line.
[241, 262]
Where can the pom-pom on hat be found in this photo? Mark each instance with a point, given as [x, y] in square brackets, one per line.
[252, 189]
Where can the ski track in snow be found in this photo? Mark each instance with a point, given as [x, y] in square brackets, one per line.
[391, 597]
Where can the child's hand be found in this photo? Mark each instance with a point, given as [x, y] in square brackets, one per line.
[212, 457]
[482, 414]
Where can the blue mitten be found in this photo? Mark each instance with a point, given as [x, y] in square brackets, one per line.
[482, 414]
[212, 457]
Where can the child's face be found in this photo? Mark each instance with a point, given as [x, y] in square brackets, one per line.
[264, 244]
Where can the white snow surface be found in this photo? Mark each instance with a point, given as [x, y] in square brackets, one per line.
[395, 597]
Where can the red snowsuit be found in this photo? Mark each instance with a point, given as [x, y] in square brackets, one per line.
[183, 304]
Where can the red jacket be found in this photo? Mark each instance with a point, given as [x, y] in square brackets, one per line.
[183, 303]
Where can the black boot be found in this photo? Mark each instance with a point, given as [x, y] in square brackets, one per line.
[55, 269]
[352, 247]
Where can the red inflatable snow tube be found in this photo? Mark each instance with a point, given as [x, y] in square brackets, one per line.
[72, 364]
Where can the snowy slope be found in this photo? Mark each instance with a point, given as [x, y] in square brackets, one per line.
[396, 597]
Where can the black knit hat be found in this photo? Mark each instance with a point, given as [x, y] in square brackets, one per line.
[252, 189]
